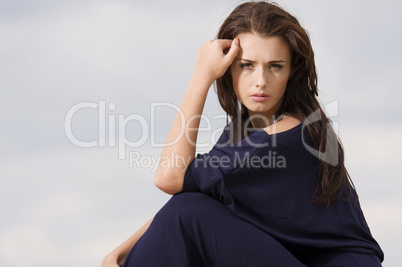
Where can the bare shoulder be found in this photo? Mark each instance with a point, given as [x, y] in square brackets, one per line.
[283, 125]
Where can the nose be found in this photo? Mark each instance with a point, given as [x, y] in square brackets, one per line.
[261, 79]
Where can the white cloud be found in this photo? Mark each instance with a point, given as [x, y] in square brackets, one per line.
[384, 219]
[28, 245]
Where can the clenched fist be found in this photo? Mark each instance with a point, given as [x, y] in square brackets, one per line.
[212, 59]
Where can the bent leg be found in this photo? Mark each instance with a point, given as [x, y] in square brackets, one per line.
[193, 229]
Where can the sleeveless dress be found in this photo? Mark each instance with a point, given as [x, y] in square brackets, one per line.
[249, 204]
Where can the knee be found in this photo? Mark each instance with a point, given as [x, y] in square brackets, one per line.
[191, 202]
[191, 206]
[192, 198]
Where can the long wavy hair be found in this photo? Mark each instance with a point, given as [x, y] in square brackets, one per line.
[299, 100]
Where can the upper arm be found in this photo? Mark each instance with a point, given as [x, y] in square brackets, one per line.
[172, 182]
[208, 172]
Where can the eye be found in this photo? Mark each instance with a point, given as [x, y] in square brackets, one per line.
[276, 66]
[246, 65]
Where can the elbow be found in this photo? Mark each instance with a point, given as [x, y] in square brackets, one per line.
[169, 183]
[162, 185]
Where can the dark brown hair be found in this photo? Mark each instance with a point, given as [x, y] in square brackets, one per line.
[299, 100]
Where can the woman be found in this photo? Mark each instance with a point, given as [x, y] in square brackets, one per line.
[274, 190]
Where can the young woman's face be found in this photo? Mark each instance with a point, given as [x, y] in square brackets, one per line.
[260, 73]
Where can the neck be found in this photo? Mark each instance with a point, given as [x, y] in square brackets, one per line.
[261, 121]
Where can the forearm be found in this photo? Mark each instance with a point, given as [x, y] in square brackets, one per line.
[212, 62]
[119, 254]
[181, 140]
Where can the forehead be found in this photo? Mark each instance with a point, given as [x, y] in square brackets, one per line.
[256, 47]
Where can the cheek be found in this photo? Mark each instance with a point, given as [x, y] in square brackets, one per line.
[236, 82]
[281, 84]
[240, 82]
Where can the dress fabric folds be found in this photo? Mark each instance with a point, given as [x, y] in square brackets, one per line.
[249, 204]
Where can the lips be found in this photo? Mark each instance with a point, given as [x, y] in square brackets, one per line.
[259, 97]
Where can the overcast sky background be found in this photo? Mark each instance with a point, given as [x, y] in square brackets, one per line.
[64, 205]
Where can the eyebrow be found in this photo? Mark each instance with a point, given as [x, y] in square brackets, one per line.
[270, 62]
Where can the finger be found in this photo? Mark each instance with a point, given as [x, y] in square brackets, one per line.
[224, 44]
[234, 50]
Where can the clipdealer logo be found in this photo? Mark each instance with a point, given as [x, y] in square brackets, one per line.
[115, 125]
[112, 127]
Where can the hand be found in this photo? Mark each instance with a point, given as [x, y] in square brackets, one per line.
[212, 61]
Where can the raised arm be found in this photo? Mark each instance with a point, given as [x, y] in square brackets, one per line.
[211, 64]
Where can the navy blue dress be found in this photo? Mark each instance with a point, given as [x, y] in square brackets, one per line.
[249, 204]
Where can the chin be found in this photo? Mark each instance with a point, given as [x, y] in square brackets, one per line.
[259, 109]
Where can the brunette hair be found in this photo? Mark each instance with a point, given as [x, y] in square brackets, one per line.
[299, 100]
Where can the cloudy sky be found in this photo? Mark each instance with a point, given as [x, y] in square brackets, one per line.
[123, 66]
